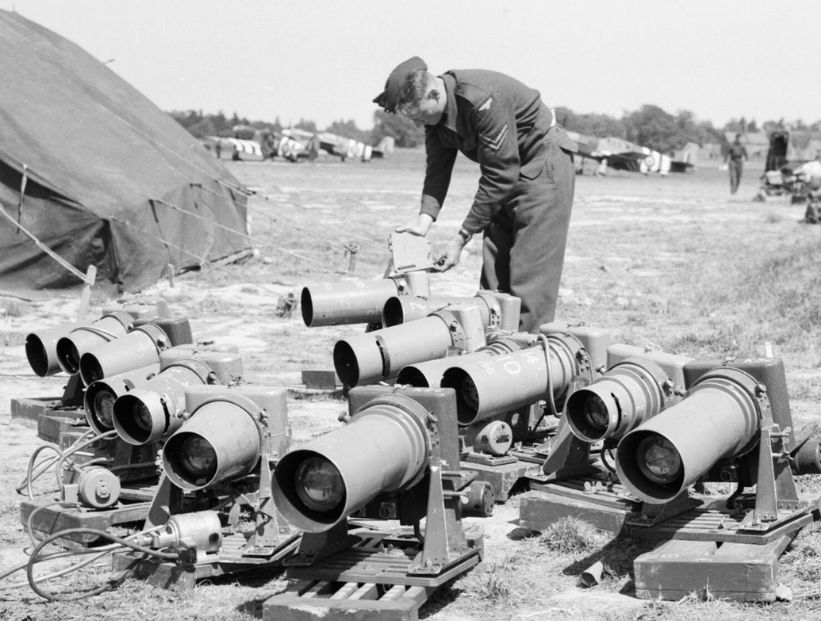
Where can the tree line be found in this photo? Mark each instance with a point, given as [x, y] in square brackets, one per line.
[649, 126]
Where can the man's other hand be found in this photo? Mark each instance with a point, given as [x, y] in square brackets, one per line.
[452, 253]
[420, 227]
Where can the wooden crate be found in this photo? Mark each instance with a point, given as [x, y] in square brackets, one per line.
[737, 571]
[581, 498]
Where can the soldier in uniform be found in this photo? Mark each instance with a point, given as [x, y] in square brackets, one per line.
[522, 206]
[735, 162]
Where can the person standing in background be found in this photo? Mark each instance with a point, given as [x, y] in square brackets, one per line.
[736, 155]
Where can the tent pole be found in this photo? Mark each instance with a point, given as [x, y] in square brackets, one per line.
[85, 295]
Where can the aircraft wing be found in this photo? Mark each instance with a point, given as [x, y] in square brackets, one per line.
[680, 166]
[625, 160]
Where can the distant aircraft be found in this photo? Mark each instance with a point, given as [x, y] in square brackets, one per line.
[292, 144]
[333, 144]
[620, 154]
[612, 152]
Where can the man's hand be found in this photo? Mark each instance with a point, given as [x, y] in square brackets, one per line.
[452, 253]
[420, 227]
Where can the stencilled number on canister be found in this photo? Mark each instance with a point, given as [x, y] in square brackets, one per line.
[511, 367]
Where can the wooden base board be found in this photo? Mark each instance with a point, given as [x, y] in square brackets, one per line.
[737, 571]
[50, 519]
[321, 379]
[585, 499]
[51, 424]
[230, 560]
[28, 410]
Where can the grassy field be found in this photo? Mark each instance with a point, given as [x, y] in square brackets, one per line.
[673, 263]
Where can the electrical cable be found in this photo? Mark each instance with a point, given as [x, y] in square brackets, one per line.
[86, 439]
[30, 474]
[550, 401]
[120, 541]
[103, 550]
[604, 461]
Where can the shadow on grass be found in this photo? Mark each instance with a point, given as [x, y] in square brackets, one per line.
[617, 556]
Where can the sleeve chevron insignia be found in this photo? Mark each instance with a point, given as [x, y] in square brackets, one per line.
[498, 140]
[486, 105]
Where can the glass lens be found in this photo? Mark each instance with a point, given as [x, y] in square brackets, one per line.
[142, 416]
[319, 484]
[658, 459]
[595, 413]
[104, 408]
[197, 458]
[73, 360]
[470, 394]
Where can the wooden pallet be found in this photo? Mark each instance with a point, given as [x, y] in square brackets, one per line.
[714, 525]
[367, 582]
[307, 600]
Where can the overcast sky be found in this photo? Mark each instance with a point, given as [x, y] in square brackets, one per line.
[325, 61]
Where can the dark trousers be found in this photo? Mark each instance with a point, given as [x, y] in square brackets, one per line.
[735, 167]
[523, 247]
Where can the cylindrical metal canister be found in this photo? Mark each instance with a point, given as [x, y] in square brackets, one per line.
[272, 401]
[429, 374]
[495, 385]
[401, 309]
[629, 393]
[138, 348]
[221, 441]
[359, 301]
[719, 418]
[157, 408]
[379, 355]
[41, 348]
[88, 336]
[100, 396]
[383, 448]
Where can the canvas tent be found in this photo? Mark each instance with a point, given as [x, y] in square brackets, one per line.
[98, 174]
[790, 148]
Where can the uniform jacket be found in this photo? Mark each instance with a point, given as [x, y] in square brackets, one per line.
[494, 120]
